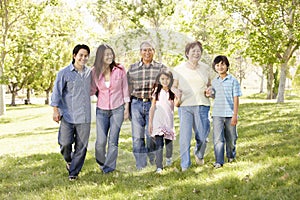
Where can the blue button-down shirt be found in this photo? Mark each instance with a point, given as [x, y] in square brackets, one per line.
[71, 94]
[225, 89]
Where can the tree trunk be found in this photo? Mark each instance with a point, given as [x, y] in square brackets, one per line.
[27, 100]
[270, 76]
[281, 88]
[47, 97]
[2, 90]
[2, 100]
[261, 84]
[13, 98]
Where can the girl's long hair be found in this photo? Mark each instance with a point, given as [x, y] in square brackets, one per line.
[98, 64]
[159, 86]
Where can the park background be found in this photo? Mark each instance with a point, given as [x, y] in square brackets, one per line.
[261, 39]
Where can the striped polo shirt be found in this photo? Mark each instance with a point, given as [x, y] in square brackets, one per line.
[225, 90]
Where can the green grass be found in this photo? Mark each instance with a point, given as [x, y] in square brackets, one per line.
[267, 166]
[289, 95]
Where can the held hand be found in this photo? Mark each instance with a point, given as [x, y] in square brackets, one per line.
[177, 92]
[209, 92]
[234, 120]
[126, 114]
[56, 116]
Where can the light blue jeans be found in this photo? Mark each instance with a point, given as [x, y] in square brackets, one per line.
[142, 143]
[108, 123]
[193, 118]
[78, 134]
[224, 133]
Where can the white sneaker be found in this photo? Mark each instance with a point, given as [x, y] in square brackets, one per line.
[217, 165]
[183, 169]
[159, 170]
[168, 161]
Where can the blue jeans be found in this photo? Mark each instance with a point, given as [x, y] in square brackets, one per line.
[193, 118]
[159, 150]
[108, 124]
[139, 126]
[78, 134]
[224, 133]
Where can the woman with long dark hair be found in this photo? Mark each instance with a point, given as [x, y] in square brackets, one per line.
[109, 82]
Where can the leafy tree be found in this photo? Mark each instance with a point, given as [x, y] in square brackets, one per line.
[58, 35]
[18, 19]
[274, 31]
[19, 63]
[12, 12]
[130, 22]
[143, 19]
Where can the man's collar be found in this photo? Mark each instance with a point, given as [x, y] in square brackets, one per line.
[72, 67]
[141, 63]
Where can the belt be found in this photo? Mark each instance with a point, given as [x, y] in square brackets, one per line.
[141, 99]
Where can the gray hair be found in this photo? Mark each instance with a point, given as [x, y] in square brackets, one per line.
[146, 43]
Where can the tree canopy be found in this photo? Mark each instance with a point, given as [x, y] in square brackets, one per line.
[37, 36]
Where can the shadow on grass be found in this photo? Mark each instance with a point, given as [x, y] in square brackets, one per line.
[43, 176]
[25, 107]
[39, 131]
[267, 167]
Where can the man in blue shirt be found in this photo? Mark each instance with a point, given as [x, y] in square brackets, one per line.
[72, 106]
[226, 92]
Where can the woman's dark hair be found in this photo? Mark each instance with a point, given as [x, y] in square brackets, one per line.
[77, 48]
[191, 45]
[98, 64]
[157, 84]
[219, 59]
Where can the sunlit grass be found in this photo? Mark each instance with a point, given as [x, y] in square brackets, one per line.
[267, 164]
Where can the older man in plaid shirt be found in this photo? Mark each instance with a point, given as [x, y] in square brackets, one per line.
[141, 77]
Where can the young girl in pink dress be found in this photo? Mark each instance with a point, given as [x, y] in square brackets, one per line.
[161, 117]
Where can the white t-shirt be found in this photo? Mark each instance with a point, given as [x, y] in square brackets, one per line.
[193, 83]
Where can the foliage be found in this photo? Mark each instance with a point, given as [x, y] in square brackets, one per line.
[55, 45]
[32, 167]
[296, 80]
[20, 63]
[39, 42]
[273, 31]
[142, 20]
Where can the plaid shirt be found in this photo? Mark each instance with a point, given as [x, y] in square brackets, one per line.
[141, 78]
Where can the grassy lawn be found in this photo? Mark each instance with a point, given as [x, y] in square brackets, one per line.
[267, 165]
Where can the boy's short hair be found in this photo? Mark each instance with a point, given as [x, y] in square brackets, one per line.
[219, 59]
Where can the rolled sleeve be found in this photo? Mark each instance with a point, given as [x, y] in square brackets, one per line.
[57, 91]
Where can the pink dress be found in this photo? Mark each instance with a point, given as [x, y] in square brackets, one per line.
[163, 119]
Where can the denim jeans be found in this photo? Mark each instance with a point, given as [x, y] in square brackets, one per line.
[142, 143]
[108, 123]
[224, 133]
[159, 150]
[193, 118]
[78, 134]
